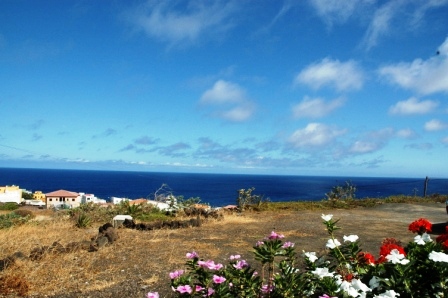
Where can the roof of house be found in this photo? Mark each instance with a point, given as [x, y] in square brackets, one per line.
[62, 193]
[138, 201]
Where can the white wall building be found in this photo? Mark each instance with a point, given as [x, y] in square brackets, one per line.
[90, 198]
[10, 194]
[116, 200]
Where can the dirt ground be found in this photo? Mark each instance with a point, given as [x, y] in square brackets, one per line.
[141, 260]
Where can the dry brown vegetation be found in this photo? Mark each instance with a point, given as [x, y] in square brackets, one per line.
[141, 260]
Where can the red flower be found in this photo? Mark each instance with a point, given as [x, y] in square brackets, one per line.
[366, 258]
[385, 249]
[420, 226]
[442, 238]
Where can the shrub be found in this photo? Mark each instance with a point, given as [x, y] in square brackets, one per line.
[8, 206]
[346, 192]
[246, 199]
[82, 220]
[11, 219]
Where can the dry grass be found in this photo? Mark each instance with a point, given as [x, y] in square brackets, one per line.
[141, 260]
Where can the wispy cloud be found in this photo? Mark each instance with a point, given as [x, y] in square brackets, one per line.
[372, 141]
[107, 133]
[343, 76]
[413, 106]
[146, 140]
[435, 125]
[337, 12]
[314, 135]
[425, 77]
[228, 101]
[183, 23]
[316, 107]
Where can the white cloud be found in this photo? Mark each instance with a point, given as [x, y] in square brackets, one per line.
[341, 75]
[406, 133]
[337, 11]
[230, 101]
[413, 106]
[445, 141]
[316, 107]
[425, 77]
[223, 92]
[372, 141]
[314, 135]
[435, 125]
[177, 23]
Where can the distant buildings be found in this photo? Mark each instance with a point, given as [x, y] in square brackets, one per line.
[90, 198]
[10, 194]
[38, 195]
[63, 198]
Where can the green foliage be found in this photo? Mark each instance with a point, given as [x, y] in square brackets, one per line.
[27, 195]
[12, 219]
[246, 199]
[9, 206]
[346, 192]
[82, 220]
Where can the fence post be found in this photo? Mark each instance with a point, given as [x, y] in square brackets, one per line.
[425, 187]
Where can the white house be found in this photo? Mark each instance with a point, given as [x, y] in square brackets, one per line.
[90, 198]
[116, 200]
[10, 194]
[62, 197]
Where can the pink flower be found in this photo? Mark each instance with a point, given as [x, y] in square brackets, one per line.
[152, 295]
[176, 274]
[326, 296]
[275, 236]
[218, 279]
[266, 289]
[235, 257]
[210, 265]
[241, 264]
[210, 291]
[192, 255]
[288, 244]
[184, 289]
[198, 288]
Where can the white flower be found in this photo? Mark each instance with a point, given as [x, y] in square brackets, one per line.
[396, 257]
[331, 244]
[322, 272]
[351, 238]
[347, 287]
[387, 294]
[374, 282]
[311, 256]
[327, 217]
[360, 286]
[438, 256]
[422, 239]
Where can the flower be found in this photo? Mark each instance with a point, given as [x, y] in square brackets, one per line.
[198, 288]
[374, 282]
[259, 243]
[192, 255]
[288, 244]
[366, 258]
[387, 294]
[438, 256]
[327, 217]
[266, 288]
[152, 295]
[351, 238]
[275, 236]
[235, 257]
[322, 272]
[396, 257]
[333, 243]
[326, 296]
[184, 289]
[422, 239]
[420, 226]
[360, 286]
[218, 279]
[388, 246]
[210, 265]
[311, 256]
[210, 292]
[176, 274]
[241, 264]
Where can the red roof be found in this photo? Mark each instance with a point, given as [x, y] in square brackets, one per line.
[62, 193]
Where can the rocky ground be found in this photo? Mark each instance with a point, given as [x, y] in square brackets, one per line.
[139, 261]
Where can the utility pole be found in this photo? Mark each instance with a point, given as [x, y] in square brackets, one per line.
[425, 187]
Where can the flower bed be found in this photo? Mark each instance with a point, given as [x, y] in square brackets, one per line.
[418, 269]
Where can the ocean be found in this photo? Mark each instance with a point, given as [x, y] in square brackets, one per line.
[215, 189]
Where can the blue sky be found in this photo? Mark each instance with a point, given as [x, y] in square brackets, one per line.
[317, 87]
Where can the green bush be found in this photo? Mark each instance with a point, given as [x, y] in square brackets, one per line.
[25, 213]
[8, 206]
[11, 219]
[82, 220]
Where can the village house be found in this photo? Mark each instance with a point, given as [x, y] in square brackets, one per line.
[10, 194]
[90, 198]
[61, 198]
[38, 195]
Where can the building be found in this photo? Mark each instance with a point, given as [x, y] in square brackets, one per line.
[10, 194]
[116, 200]
[90, 198]
[63, 198]
[38, 195]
